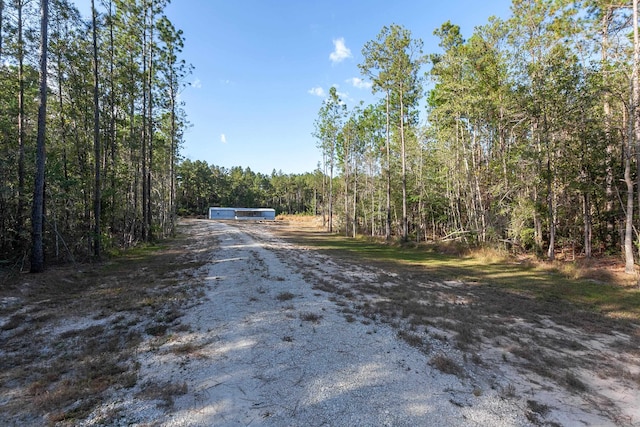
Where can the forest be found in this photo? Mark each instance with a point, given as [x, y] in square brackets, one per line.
[101, 95]
[530, 139]
[201, 186]
[524, 135]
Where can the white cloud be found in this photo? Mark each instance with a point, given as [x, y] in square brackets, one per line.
[359, 83]
[317, 91]
[196, 84]
[341, 51]
[223, 138]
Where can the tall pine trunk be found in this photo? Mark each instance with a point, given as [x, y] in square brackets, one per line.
[403, 156]
[551, 211]
[610, 236]
[150, 131]
[354, 218]
[37, 214]
[172, 156]
[144, 134]
[628, 224]
[110, 174]
[1, 28]
[97, 196]
[346, 184]
[632, 138]
[21, 130]
[636, 98]
[387, 230]
[331, 162]
[588, 231]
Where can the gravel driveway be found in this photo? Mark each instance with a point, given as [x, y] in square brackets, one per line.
[232, 325]
[263, 346]
[268, 349]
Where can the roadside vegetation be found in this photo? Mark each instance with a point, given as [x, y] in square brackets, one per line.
[597, 285]
[71, 334]
[573, 325]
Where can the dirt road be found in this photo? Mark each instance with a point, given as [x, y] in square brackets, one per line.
[279, 335]
[267, 347]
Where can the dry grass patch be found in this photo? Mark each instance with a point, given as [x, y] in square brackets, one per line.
[310, 317]
[414, 340]
[574, 383]
[72, 332]
[349, 318]
[285, 296]
[508, 391]
[164, 393]
[446, 365]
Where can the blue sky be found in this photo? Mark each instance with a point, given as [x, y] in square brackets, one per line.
[263, 67]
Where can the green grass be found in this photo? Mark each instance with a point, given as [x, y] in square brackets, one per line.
[479, 299]
[140, 251]
[540, 282]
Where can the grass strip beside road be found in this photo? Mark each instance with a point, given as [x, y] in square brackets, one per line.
[593, 287]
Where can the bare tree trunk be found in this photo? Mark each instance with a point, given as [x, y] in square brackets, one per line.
[478, 205]
[636, 96]
[97, 196]
[63, 131]
[551, 208]
[21, 125]
[172, 155]
[421, 224]
[405, 220]
[150, 132]
[112, 114]
[373, 197]
[628, 230]
[610, 238]
[131, 215]
[324, 189]
[1, 26]
[632, 139]
[629, 266]
[330, 213]
[537, 221]
[143, 148]
[354, 218]
[586, 199]
[387, 234]
[37, 215]
[346, 185]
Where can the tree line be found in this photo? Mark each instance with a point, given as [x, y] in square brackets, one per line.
[530, 136]
[96, 101]
[201, 186]
[524, 134]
